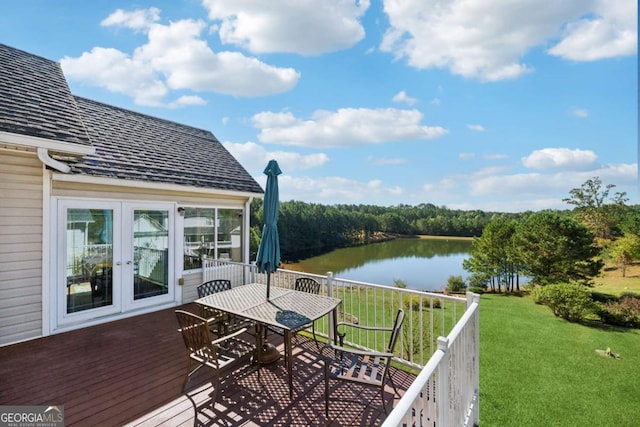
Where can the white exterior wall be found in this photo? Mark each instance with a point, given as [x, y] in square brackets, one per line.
[24, 314]
[21, 207]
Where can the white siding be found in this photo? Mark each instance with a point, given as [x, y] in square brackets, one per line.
[20, 246]
[189, 289]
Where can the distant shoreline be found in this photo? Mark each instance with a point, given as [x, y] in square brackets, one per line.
[428, 236]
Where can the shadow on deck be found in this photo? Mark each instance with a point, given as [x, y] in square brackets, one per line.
[130, 371]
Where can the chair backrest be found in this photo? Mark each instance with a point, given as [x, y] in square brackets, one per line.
[395, 332]
[307, 284]
[213, 286]
[196, 336]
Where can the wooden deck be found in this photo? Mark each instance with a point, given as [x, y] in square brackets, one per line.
[129, 372]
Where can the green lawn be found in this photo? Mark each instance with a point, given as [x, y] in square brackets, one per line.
[538, 370]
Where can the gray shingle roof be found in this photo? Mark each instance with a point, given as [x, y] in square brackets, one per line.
[135, 146]
[35, 99]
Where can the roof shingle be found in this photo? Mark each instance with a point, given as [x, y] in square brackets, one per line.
[35, 99]
[135, 146]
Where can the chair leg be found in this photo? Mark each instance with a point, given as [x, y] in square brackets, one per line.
[384, 405]
[187, 375]
[326, 389]
[395, 389]
[313, 331]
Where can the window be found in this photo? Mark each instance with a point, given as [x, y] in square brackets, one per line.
[211, 232]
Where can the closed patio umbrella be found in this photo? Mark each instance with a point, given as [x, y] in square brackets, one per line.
[268, 258]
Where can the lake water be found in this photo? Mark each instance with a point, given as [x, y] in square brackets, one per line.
[423, 264]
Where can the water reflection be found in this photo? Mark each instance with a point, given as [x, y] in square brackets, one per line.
[423, 264]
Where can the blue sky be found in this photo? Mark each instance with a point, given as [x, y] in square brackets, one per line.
[484, 104]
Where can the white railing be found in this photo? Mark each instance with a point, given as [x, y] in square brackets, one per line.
[446, 391]
[440, 336]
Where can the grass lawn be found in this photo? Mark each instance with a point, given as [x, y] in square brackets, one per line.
[612, 282]
[539, 370]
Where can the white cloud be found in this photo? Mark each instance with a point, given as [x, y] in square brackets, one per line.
[538, 184]
[436, 101]
[254, 158]
[444, 186]
[580, 112]
[305, 27]
[174, 57]
[466, 156]
[494, 156]
[611, 32]
[117, 72]
[403, 97]
[187, 100]
[489, 171]
[487, 39]
[386, 161]
[554, 158]
[335, 189]
[344, 127]
[137, 20]
[476, 128]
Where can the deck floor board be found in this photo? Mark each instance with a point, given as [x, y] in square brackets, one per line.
[129, 372]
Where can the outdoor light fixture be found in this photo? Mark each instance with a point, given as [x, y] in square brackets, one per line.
[180, 211]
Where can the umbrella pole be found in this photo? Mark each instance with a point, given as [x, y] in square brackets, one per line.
[268, 285]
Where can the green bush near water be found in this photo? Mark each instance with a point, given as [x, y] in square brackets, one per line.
[456, 284]
[567, 301]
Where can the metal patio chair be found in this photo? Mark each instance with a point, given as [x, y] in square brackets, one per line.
[220, 323]
[221, 355]
[367, 368]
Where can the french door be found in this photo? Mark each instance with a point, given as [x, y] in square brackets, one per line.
[113, 258]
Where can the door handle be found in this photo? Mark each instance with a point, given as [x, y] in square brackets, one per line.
[118, 263]
[128, 262]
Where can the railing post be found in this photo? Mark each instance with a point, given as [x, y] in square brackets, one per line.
[253, 273]
[203, 259]
[471, 298]
[443, 404]
[332, 330]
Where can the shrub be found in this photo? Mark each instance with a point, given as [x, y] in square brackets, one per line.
[456, 284]
[411, 302]
[437, 302]
[478, 289]
[624, 312]
[399, 283]
[538, 294]
[567, 301]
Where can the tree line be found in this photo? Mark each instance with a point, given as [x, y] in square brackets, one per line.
[308, 229]
[547, 246]
[551, 247]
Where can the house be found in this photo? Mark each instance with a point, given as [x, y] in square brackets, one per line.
[104, 212]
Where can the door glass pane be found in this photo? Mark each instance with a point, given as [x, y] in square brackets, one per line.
[150, 253]
[89, 259]
[229, 234]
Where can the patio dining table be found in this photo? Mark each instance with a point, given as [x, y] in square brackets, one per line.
[286, 309]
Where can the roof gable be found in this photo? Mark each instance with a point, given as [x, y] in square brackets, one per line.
[35, 99]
